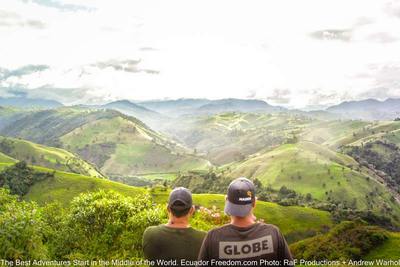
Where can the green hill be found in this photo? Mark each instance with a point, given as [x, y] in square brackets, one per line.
[229, 137]
[65, 186]
[310, 168]
[297, 222]
[389, 250]
[41, 155]
[6, 159]
[115, 143]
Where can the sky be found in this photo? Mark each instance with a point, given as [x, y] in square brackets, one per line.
[299, 54]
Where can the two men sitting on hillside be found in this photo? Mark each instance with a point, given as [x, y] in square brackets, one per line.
[242, 242]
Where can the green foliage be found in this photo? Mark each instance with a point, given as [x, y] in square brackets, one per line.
[65, 186]
[348, 240]
[106, 225]
[21, 229]
[381, 156]
[208, 218]
[20, 177]
[45, 156]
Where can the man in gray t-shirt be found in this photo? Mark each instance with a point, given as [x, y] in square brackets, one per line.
[244, 241]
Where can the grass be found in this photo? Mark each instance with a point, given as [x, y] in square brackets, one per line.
[65, 186]
[6, 159]
[390, 250]
[159, 176]
[50, 157]
[138, 150]
[310, 168]
[294, 221]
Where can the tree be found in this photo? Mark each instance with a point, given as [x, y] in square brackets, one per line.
[19, 177]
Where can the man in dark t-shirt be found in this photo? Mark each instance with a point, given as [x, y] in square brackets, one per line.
[170, 243]
[244, 242]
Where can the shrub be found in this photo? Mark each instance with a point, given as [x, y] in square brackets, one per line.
[348, 240]
[106, 225]
[21, 229]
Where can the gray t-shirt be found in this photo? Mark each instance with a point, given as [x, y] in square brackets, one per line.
[259, 244]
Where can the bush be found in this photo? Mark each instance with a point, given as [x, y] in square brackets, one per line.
[21, 229]
[348, 240]
[20, 177]
[105, 225]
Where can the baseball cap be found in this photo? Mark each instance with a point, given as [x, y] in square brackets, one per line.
[241, 194]
[180, 199]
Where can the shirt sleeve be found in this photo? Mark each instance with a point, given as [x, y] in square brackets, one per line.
[204, 254]
[150, 249]
[284, 251]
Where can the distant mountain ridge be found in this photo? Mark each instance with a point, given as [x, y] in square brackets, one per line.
[368, 109]
[179, 107]
[24, 102]
[148, 116]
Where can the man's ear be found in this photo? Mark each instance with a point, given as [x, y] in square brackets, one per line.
[192, 210]
[254, 202]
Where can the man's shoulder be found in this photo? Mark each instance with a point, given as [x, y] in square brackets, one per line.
[199, 233]
[220, 229]
[153, 230]
[269, 226]
[260, 226]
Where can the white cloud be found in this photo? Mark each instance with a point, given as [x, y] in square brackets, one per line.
[207, 48]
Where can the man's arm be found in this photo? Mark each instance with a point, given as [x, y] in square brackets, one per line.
[150, 249]
[204, 254]
[284, 251]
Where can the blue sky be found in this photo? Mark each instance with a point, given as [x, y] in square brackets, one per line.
[306, 53]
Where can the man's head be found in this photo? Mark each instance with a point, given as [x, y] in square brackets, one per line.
[241, 198]
[180, 202]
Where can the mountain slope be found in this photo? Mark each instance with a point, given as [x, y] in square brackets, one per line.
[28, 103]
[117, 144]
[236, 105]
[175, 108]
[228, 137]
[310, 168]
[6, 159]
[49, 157]
[369, 109]
[150, 117]
[180, 107]
[295, 222]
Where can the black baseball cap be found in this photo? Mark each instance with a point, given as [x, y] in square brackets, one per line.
[180, 199]
[240, 198]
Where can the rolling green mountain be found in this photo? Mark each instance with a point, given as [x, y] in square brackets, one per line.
[8, 115]
[307, 167]
[229, 137]
[175, 108]
[296, 222]
[4, 159]
[117, 144]
[40, 155]
[149, 117]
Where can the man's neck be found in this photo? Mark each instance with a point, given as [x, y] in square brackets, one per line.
[243, 221]
[178, 223]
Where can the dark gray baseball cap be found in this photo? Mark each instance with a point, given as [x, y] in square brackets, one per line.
[180, 199]
[240, 197]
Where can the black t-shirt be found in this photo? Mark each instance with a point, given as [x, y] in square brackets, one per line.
[259, 245]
